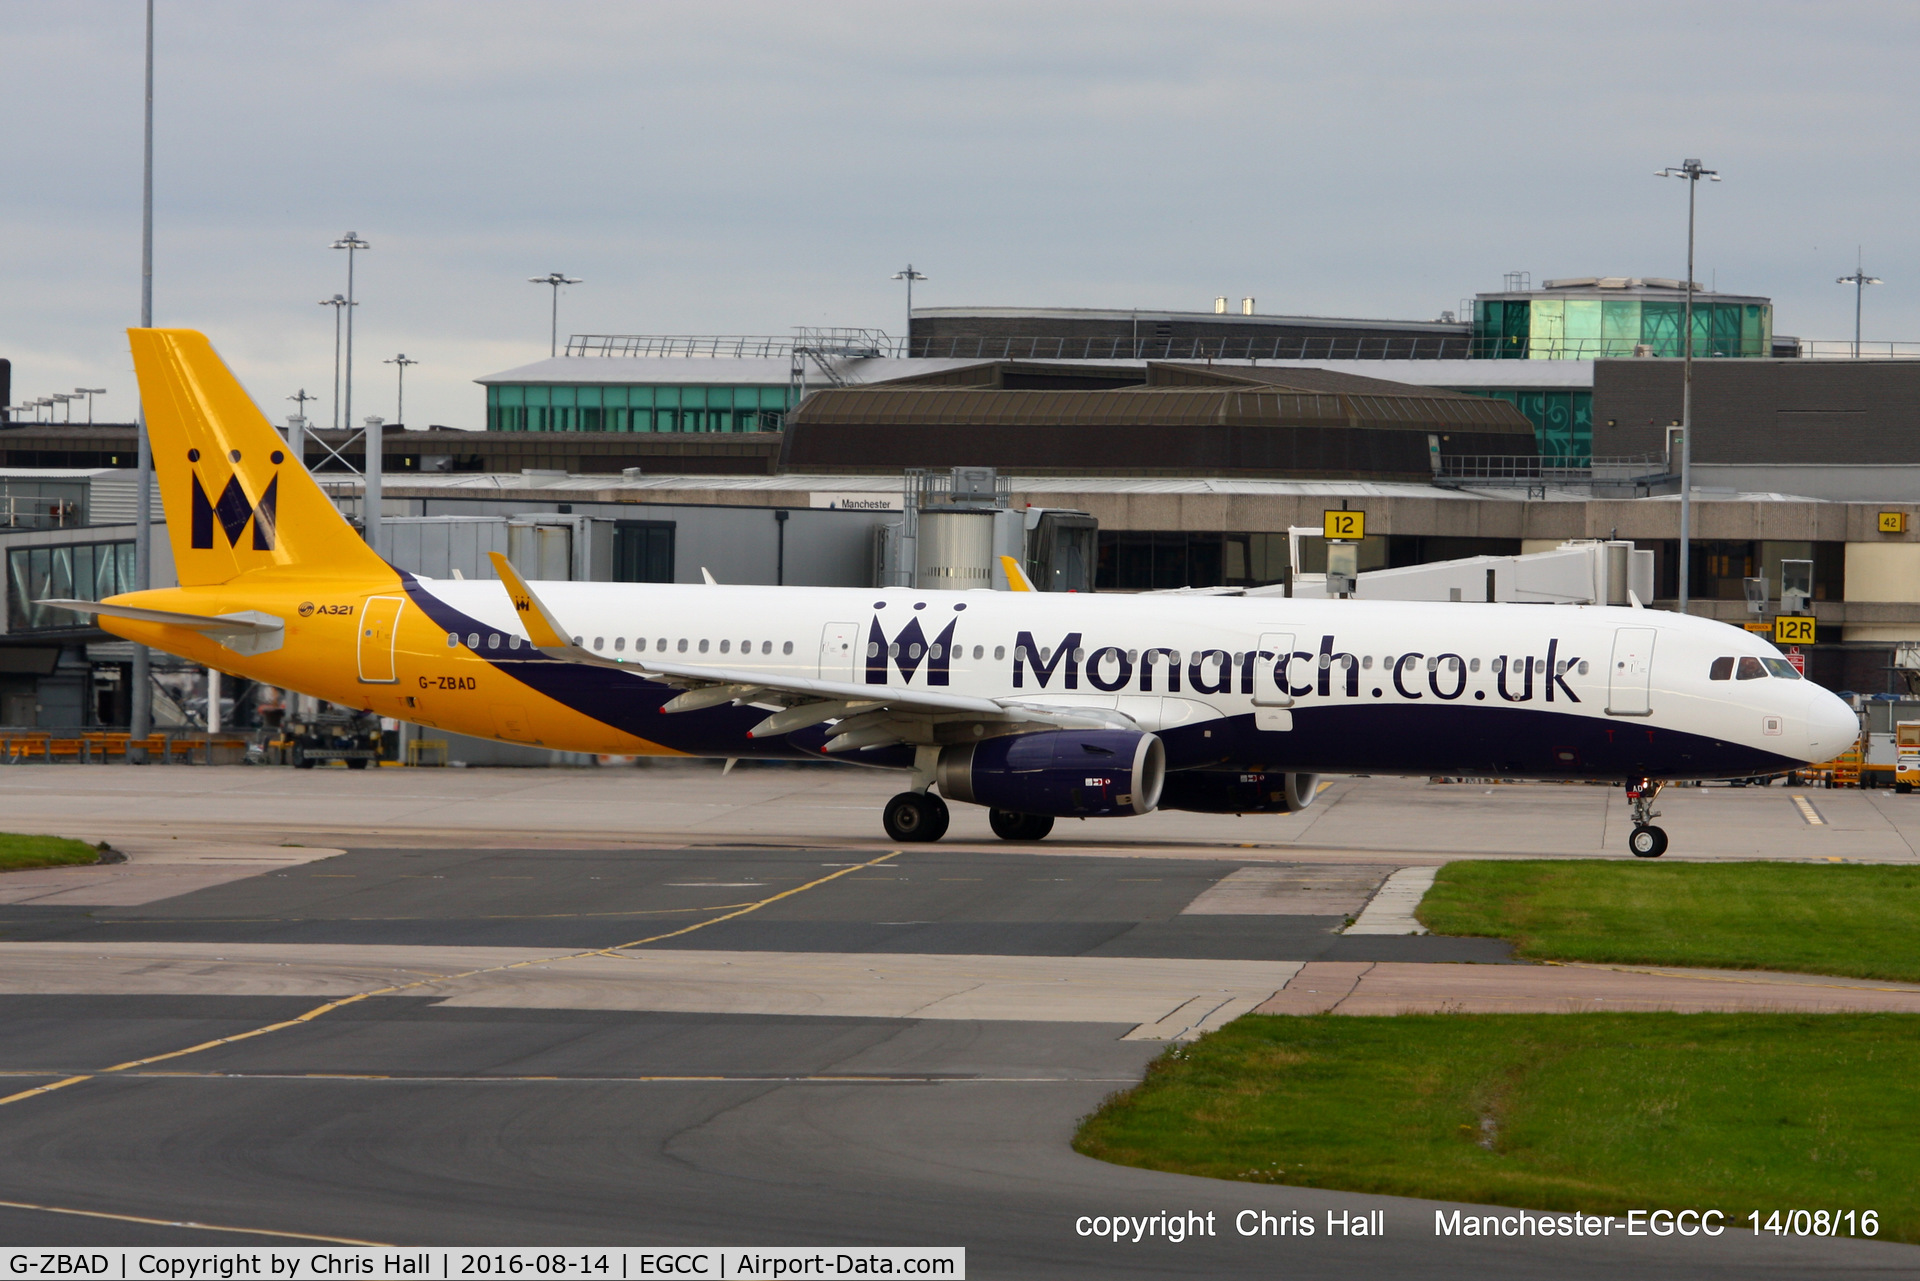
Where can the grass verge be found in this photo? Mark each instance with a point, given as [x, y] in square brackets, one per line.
[1859, 921]
[18, 853]
[1597, 1112]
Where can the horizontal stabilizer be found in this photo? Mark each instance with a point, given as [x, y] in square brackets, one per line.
[246, 632]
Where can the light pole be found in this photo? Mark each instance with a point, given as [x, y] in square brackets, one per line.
[373, 443]
[1859, 280]
[909, 275]
[46, 403]
[297, 427]
[339, 304]
[1693, 172]
[556, 279]
[89, 393]
[140, 706]
[400, 400]
[66, 404]
[350, 242]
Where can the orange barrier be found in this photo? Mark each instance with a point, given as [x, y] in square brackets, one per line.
[104, 746]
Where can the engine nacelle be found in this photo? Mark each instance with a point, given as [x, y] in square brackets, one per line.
[1220, 791]
[1067, 773]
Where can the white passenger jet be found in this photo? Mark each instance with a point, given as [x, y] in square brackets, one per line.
[1035, 705]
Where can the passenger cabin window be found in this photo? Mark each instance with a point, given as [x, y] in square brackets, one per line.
[1751, 669]
[1722, 669]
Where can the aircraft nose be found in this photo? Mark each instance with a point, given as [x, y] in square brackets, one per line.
[1832, 726]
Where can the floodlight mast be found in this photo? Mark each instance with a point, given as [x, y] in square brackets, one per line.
[297, 426]
[352, 243]
[400, 398]
[337, 302]
[1859, 280]
[556, 279]
[909, 275]
[1693, 172]
[89, 393]
[140, 704]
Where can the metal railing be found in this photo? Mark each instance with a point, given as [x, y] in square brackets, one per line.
[874, 343]
[37, 511]
[871, 344]
[717, 346]
[1842, 349]
[1487, 348]
[1619, 349]
[1548, 469]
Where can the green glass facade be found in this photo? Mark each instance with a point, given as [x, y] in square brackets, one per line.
[1570, 328]
[1562, 419]
[550, 407]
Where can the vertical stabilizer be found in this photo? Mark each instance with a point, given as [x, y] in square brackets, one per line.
[235, 499]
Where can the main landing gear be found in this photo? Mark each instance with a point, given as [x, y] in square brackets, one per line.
[915, 816]
[922, 816]
[1646, 840]
[1009, 825]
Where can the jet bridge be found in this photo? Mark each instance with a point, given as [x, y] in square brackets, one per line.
[1578, 572]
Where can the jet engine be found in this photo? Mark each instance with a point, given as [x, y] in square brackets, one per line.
[1220, 791]
[1063, 773]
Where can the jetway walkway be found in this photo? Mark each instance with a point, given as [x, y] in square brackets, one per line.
[1578, 572]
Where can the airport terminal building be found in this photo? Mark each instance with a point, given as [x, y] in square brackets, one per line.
[1187, 446]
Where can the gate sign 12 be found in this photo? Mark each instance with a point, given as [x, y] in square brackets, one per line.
[1344, 524]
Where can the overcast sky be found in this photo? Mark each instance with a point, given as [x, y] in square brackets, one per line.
[747, 167]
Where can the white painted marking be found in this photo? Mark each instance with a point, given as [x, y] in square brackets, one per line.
[1391, 911]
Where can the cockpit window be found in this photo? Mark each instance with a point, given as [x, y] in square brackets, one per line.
[1722, 669]
[1782, 668]
[1751, 669]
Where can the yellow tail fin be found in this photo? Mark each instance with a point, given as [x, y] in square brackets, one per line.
[235, 500]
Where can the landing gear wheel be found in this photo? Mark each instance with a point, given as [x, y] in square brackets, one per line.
[915, 816]
[1647, 842]
[1010, 825]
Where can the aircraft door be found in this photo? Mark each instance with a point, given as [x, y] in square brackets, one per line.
[839, 651]
[1630, 677]
[379, 630]
[1268, 691]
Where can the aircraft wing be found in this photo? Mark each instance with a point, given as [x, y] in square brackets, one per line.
[867, 715]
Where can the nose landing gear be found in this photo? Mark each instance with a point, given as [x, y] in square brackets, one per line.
[1646, 840]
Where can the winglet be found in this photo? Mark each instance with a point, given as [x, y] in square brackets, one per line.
[1016, 580]
[542, 628]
